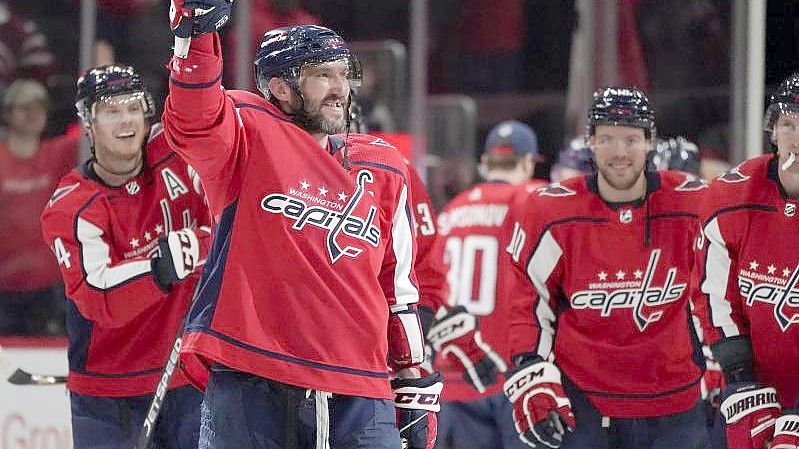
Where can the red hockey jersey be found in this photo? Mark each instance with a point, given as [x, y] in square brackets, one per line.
[308, 256]
[751, 271]
[120, 323]
[473, 229]
[610, 300]
[430, 272]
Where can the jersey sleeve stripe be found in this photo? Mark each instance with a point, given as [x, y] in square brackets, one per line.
[96, 259]
[185, 85]
[405, 291]
[717, 276]
[541, 266]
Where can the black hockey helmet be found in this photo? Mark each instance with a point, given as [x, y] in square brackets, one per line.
[104, 82]
[627, 106]
[284, 51]
[676, 153]
[785, 99]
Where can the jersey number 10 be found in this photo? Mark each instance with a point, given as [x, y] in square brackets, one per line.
[472, 275]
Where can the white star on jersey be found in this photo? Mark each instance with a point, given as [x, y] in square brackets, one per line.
[134, 243]
[342, 196]
[753, 265]
[148, 236]
[786, 272]
[304, 185]
[771, 269]
[602, 276]
[322, 191]
[159, 229]
[638, 274]
[620, 275]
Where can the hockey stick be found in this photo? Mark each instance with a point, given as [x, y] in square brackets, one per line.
[182, 47]
[146, 432]
[18, 376]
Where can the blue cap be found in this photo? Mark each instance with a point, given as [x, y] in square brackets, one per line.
[512, 137]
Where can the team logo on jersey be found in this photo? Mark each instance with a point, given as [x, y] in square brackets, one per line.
[639, 294]
[772, 288]
[733, 176]
[61, 192]
[790, 210]
[556, 190]
[692, 184]
[132, 187]
[626, 216]
[336, 220]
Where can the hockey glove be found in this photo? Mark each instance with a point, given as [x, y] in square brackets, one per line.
[456, 335]
[417, 403]
[179, 255]
[748, 415]
[193, 18]
[786, 433]
[712, 380]
[541, 411]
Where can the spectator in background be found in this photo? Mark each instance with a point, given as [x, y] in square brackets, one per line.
[23, 49]
[264, 15]
[574, 159]
[31, 296]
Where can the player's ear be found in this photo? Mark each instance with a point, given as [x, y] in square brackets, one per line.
[280, 89]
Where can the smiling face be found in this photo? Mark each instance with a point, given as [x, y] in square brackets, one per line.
[325, 89]
[118, 127]
[620, 154]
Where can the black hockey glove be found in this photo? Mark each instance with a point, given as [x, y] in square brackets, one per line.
[417, 403]
[193, 18]
[179, 254]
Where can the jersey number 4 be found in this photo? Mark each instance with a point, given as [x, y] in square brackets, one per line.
[472, 275]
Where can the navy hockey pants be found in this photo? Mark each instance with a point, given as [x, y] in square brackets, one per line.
[242, 411]
[114, 423]
[485, 423]
[686, 430]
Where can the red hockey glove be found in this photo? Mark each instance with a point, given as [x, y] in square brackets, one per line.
[179, 256]
[417, 403]
[749, 412]
[456, 335]
[195, 17]
[786, 433]
[713, 380]
[541, 411]
[405, 342]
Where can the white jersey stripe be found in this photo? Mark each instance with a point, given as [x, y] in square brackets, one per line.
[96, 259]
[542, 264]
[405, 291]
[717, 276]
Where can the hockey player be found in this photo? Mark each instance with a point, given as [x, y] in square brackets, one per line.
[125, 227]
[310, 287]
[574, 159]
[604, 355]
[472, 231]
[750, 282]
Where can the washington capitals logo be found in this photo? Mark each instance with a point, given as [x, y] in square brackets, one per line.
[634, 295]
[782, 297]
[334, 221]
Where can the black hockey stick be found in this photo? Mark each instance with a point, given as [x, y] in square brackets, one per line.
[17, 376]
[146, 432]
